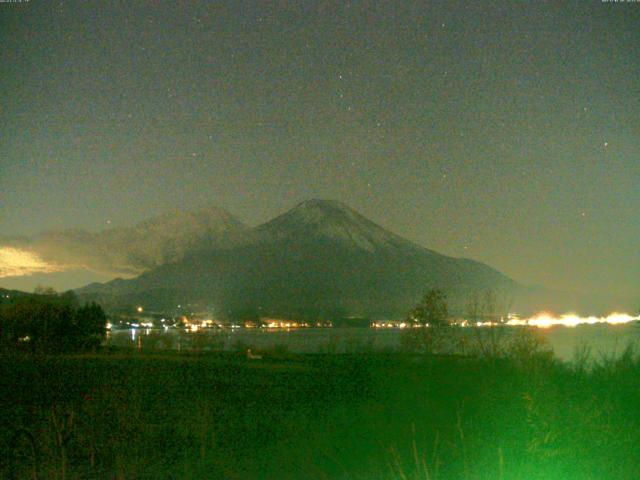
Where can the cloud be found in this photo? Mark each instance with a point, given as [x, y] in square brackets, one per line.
[126, 251]
[16, 262]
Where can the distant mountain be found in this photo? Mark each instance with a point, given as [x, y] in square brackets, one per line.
[133, 250]
[319, 259]
[10, 296]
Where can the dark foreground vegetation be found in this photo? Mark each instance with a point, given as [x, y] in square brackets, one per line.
[130, 415]
[46, 323]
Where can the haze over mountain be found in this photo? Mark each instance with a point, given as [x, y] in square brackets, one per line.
[124, 251]
[319, 259]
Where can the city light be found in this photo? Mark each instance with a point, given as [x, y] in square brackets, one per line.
[540, 320]
[546, 320]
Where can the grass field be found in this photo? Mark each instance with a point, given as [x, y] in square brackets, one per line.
[128, 415]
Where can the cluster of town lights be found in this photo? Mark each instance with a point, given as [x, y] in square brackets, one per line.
[545, 320]
[540, 320]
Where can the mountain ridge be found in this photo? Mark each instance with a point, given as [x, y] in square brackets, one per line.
[319, 258]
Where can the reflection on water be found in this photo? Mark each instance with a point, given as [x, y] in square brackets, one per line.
[603, 339]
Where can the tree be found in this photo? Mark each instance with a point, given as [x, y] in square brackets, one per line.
[41, 290]
[51, 324]
[493, 308]
[432, 309]
[90, 326]
[473, 308]
[432, 314]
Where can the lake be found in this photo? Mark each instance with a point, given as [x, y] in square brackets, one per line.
[602, 339]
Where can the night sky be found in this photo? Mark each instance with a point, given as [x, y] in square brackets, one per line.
[507, 132]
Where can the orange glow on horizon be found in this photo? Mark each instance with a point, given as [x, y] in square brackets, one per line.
[16, 262]
[547, 320]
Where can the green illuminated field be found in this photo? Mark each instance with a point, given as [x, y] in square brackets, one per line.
[170, 416]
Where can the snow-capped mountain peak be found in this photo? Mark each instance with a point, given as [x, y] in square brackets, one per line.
[333, 220]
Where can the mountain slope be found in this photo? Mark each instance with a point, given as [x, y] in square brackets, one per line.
[319, 259]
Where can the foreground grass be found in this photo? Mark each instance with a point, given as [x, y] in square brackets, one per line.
[375, 416]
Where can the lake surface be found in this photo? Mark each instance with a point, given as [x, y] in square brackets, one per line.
[602, 339]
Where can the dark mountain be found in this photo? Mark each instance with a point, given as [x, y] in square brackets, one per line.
[319, 259]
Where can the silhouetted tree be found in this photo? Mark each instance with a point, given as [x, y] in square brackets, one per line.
[51, 323]
[473, 308]
[432, 313]
[41, 290]
[432, 309]
[91, 324]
